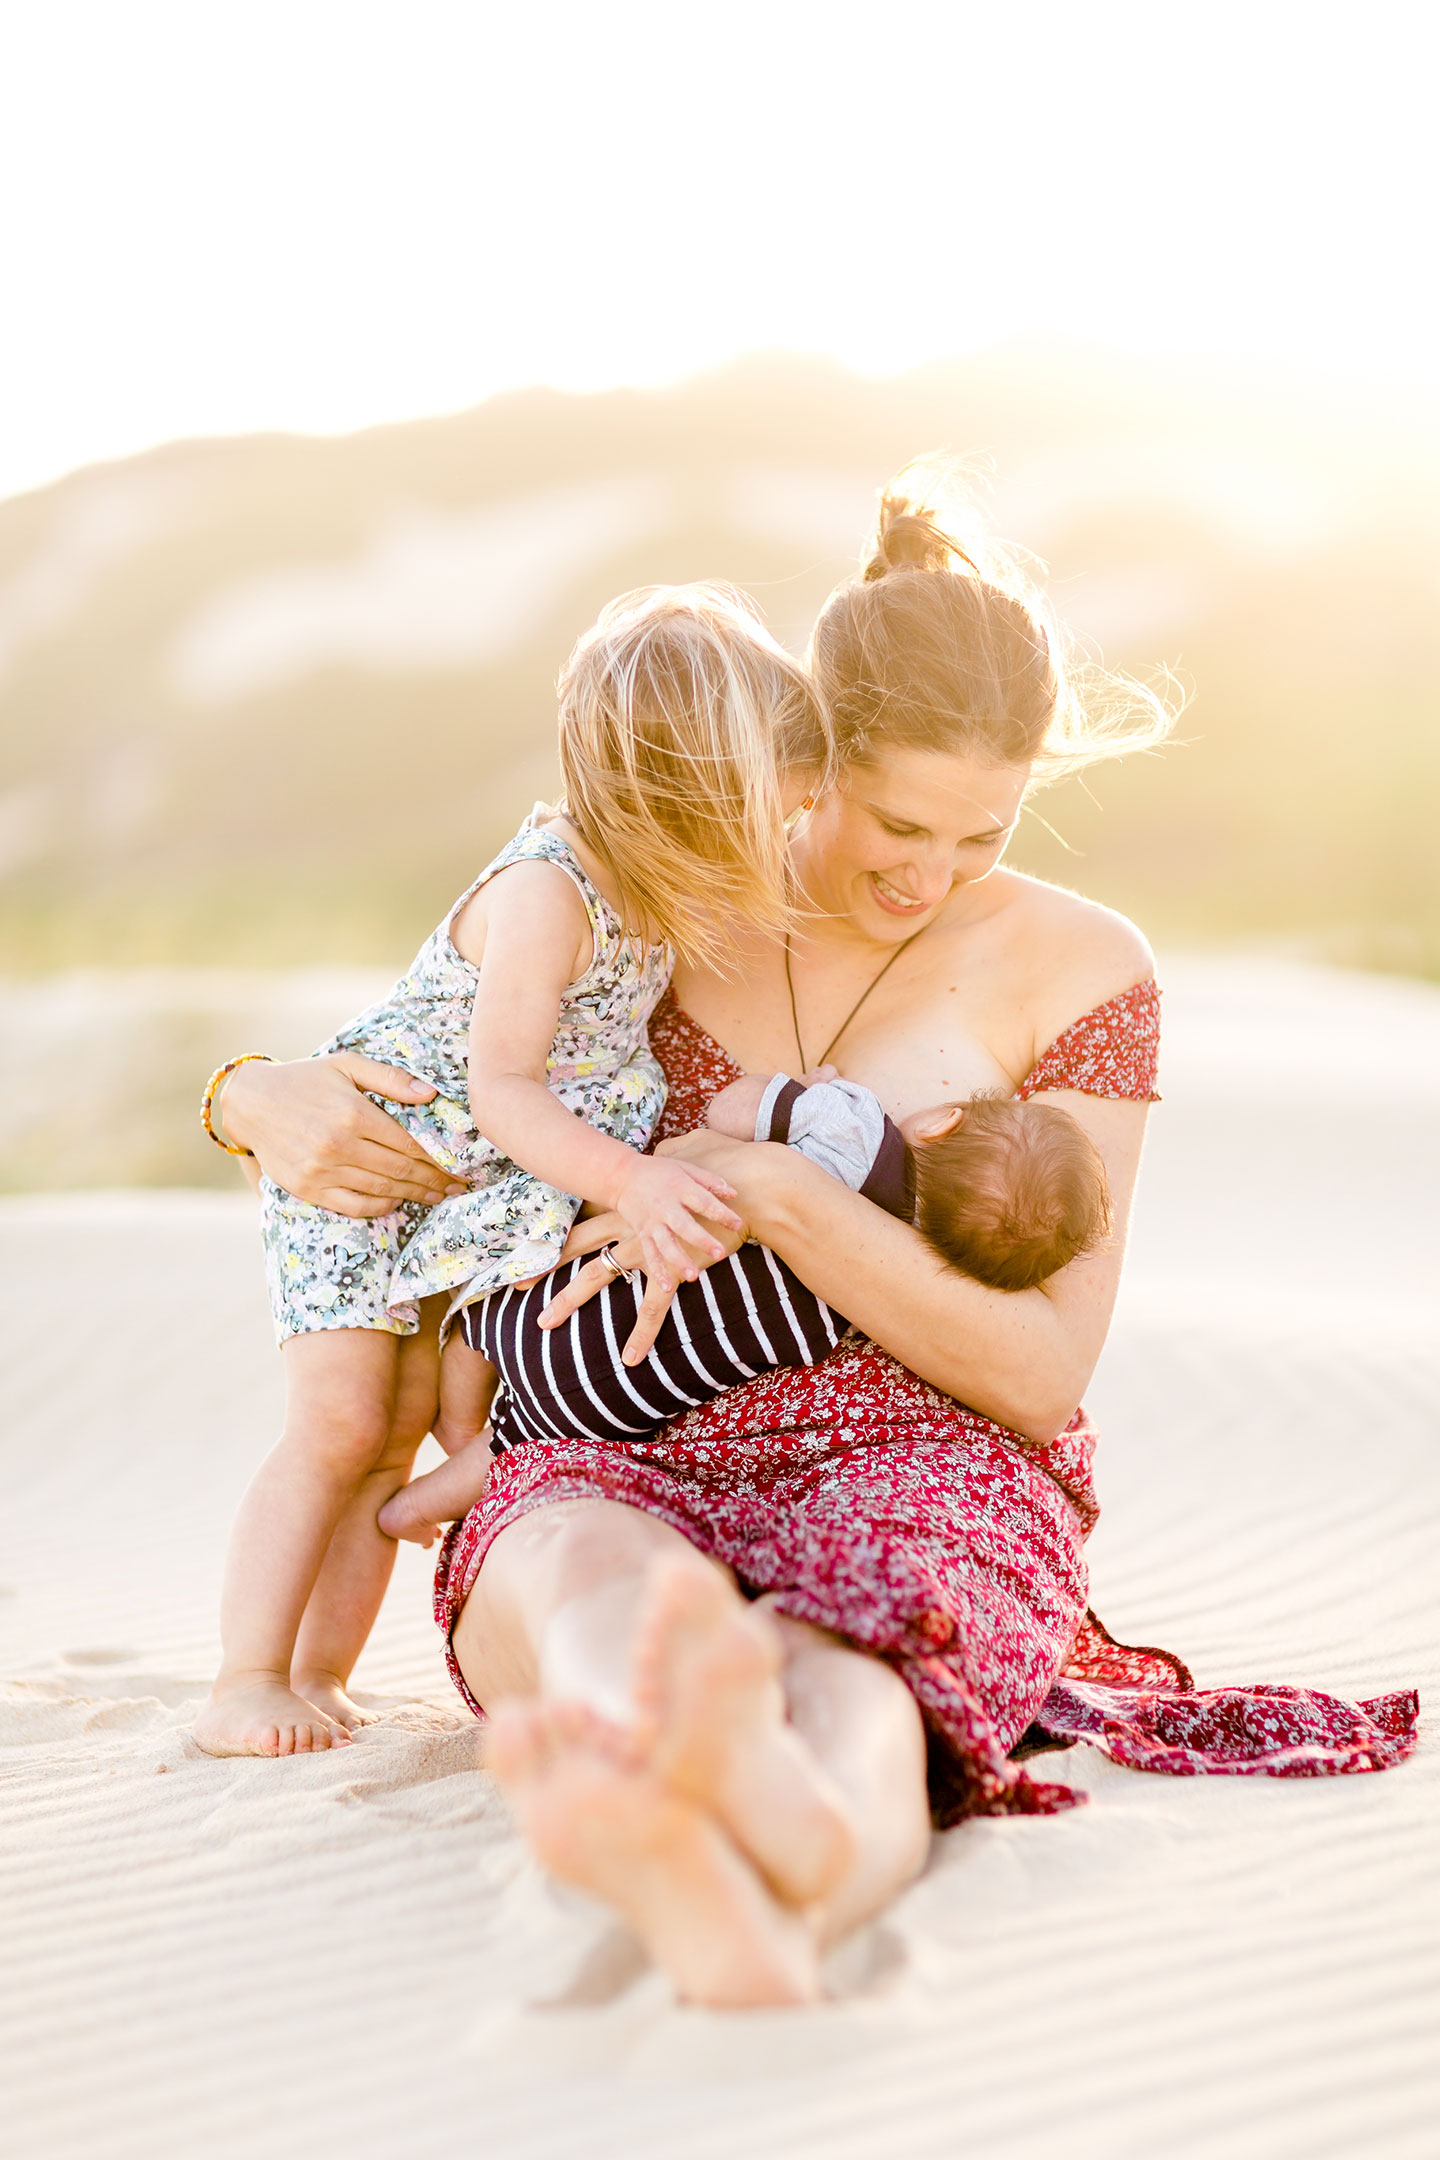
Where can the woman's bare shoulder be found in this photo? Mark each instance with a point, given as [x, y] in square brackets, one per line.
[1073, 953]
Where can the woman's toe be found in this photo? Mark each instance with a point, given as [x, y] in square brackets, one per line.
[512, 1742]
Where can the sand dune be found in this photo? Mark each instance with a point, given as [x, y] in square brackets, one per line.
[353, 1954]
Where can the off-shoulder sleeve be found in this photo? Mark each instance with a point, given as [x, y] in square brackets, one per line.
[1114, 1050]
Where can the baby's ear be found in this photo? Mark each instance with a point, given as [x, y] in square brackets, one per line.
[936, 1124]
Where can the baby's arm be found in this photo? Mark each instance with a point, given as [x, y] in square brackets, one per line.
[734, 1110]
[537, 941]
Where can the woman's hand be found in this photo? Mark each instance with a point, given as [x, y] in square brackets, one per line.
[757, 1172]
[660, 1287]
[318, 1136]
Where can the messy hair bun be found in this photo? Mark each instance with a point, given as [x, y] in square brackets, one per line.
[944, 642]
[907, 538]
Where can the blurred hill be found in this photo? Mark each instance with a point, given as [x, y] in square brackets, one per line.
[272, 701]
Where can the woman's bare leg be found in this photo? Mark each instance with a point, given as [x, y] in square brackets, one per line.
[550, 1632]
[562, 1610]
[709, 1684]
[598, 1817]
[831, 1805]
[557, 1607]
[861, 1723]
[351, 1585]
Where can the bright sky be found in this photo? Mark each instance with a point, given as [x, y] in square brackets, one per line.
[222, 215]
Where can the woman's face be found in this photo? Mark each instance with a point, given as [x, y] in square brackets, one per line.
[889, 844]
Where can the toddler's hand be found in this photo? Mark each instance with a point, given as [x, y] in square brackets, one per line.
[667, 1204]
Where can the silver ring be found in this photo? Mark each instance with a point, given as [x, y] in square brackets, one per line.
[607, 1254]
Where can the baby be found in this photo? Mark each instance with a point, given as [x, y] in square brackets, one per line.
[1005, 1191]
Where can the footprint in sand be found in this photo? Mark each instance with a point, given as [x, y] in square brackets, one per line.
[98, 1657]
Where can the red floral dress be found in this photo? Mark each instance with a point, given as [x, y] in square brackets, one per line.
[875, 1506]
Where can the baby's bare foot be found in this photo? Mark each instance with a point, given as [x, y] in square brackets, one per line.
[259, 1715]
[596, 1818]
[707, 1686]
[439, 1496]
[328, 1695]
[404, 1516]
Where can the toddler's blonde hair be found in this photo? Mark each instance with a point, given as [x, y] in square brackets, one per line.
[680, 717]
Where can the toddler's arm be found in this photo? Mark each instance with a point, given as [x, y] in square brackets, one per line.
[537, 941]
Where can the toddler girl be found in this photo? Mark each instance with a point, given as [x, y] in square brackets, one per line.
[526, 1010]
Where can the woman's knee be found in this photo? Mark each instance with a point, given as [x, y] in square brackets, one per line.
[575, 1546]
[563, 1554]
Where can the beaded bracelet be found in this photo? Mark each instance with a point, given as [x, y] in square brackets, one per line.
[212, 1086]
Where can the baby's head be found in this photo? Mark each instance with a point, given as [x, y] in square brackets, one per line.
[687, 734]
[1006, 1191]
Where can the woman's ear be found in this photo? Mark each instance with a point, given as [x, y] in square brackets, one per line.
[936, 1124]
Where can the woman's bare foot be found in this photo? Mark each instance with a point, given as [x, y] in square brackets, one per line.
[596, 1817]
[256, 1714]
[712, 1712]
[328, 1695]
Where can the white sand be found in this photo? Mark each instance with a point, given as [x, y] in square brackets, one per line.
[345, 1954]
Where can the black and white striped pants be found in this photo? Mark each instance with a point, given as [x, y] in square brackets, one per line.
[746, 1315]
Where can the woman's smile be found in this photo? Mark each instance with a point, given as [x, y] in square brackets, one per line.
[934, 821]
[893, 901]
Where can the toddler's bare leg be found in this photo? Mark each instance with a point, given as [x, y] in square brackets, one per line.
[340, 1391]
[351, 1587]
[440, 1496]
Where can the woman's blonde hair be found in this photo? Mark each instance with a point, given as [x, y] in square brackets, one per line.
[680, 716]
[944, 643]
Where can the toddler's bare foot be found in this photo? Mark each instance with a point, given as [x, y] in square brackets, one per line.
[596, 1818]
[330, 1699]
[707, 1686]
[257, 1714]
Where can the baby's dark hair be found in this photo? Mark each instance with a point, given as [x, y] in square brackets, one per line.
[1012, 1194]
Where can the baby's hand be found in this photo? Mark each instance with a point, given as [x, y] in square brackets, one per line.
[665, 1201]
[734, 1110]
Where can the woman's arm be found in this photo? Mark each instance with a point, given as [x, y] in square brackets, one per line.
[318, 1136]
[1021, 1357]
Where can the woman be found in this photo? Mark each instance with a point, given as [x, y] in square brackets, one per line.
[733, 1670]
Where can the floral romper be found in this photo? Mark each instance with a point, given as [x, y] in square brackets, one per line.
[330, 1271]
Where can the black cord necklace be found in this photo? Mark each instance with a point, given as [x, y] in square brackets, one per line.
[795, 1017]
